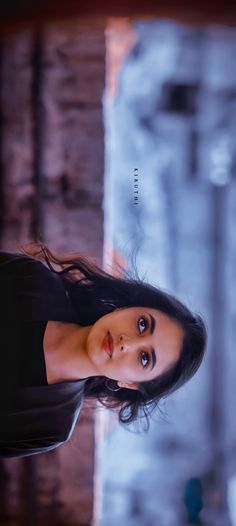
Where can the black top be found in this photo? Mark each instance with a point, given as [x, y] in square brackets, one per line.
[32, 367]
[34, 416]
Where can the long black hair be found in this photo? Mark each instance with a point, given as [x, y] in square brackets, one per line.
[94, 293]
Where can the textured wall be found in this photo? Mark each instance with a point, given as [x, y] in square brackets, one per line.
[14, 14]
[51, 156]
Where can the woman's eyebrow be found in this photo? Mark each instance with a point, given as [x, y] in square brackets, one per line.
[152, 329]
[154, 360]
[153, 324]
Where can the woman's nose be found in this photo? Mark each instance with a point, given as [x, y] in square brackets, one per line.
[127, 344]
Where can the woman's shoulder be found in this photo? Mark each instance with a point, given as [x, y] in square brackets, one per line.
[39, 292]
[15, 262]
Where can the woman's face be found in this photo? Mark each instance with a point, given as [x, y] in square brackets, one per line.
[145, 341]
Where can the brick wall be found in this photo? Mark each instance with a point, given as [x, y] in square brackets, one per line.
[51, 188]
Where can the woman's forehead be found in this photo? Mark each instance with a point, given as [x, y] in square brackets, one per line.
[152, 310]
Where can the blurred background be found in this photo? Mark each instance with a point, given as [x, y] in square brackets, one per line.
[125, 121]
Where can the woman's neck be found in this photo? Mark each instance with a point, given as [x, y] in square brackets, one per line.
[65, 353]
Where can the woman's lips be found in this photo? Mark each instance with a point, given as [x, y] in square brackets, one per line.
[108, 344]
[111, 344]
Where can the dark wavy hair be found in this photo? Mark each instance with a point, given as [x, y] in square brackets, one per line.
[94, 293]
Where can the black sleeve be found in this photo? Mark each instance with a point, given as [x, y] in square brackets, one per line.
[18, 264]
[27, 448]
[23, 273]
[39, 291]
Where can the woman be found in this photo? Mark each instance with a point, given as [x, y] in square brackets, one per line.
[81, 333]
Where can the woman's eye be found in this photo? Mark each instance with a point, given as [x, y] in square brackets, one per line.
[144, 359]
[145, 324]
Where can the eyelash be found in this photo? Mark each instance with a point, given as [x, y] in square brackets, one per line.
[143, 353]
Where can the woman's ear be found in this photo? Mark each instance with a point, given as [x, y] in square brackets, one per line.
[128, 385]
